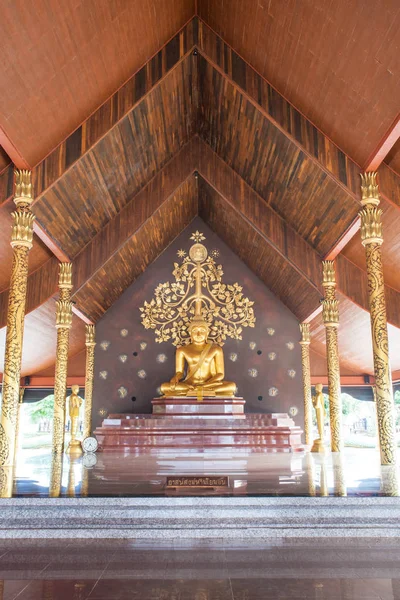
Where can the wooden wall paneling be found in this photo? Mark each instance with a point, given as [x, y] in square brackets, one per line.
[40, 338]
[291, 183]
[99, 185]
[272, 268]
[165, 184]
[125, 265]
[236, 191]
[279, 110]
[323, 59]
[51, 168]
[389, 184]
[78, 54]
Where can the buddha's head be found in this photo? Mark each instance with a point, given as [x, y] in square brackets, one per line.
[198, 331]
[75, 388]
[318, 387]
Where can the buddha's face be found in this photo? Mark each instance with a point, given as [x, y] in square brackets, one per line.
[74, 389]
[199, 334]
[318, 387]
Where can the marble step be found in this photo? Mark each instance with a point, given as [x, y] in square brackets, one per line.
[201, 517]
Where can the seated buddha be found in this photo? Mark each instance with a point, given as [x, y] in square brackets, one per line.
[204, 363]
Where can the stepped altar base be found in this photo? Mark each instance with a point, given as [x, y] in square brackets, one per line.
[188, 423]
[212, 406]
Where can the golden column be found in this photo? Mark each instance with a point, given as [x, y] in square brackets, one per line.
[330, 315]
[89, 377]
[63, 325]
[21, 242]
[371, 238]
[305, 363]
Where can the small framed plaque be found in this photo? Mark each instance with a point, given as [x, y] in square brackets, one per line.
[196, 481]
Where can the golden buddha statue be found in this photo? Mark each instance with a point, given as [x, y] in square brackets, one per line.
[205, 367]
[75, 402]
[319, 406]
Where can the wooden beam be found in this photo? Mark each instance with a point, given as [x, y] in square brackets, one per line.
[384, 146]
[16, 157]
[345, 380]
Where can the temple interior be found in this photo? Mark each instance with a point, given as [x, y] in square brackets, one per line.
[199, 299]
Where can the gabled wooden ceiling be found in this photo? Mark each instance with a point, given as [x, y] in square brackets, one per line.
[196, 130]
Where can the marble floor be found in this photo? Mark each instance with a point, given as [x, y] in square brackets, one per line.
[356, 472]
[200, 570]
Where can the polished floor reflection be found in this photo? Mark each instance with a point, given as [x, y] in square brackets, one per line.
[187, 570]
[356, 472]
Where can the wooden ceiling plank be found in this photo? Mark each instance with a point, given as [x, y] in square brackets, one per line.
[42, 283]
[251, 247]
[280, 112]
[113, 110]
[262, 217]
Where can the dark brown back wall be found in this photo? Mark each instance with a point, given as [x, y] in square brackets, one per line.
[267, 368]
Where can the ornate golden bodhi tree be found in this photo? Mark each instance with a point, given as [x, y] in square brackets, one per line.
[372, 238]
[198, 312]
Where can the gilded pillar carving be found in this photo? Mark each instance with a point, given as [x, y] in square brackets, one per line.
[63, 325]
[21, 242]
[371, 238]
[305, 363]
[56, 475]
[330, 315]
[89, 377]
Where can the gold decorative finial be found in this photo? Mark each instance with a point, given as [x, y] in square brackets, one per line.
[198, 292]
[65, 276]
[23, 187]
[90, 335]
[63, 314]
[305, 333]
[22, 229]
[371, 225]
[328, 273]
[369, 189]
[330, 312]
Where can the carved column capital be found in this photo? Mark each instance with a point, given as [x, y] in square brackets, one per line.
[23, 196]
[305, 333]
[22, 229]
[65, 276]
[90, 335]
[328, 274]
[371, 225]
[330, 312]
[369, 189]
[63, 314]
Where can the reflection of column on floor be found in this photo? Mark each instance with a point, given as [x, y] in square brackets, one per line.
[6, 482]
[339, 480]
[74, 463]
[319, 591]
[85, 482]
[48, 590]
[55, 475]
[389, 480]
[310, 469]
[1, 589]
[323, 481]
[396, 589]
[79, 591]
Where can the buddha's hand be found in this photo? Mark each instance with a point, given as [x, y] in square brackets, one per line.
[175, 379]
